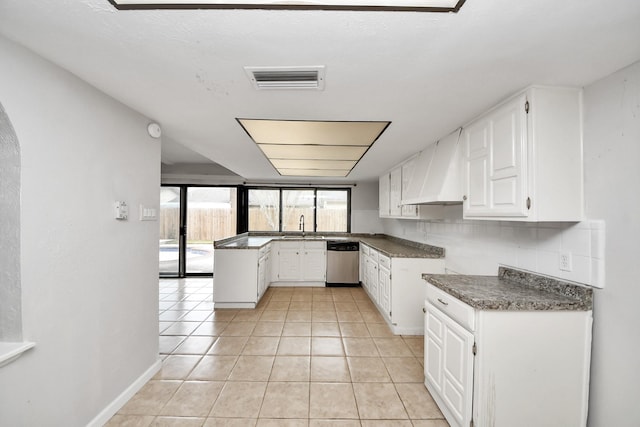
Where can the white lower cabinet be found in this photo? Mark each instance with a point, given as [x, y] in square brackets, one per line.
[396, 287]
[448, 367]
[264, 270]
[236, 285]
[301, 263]
[490, 368]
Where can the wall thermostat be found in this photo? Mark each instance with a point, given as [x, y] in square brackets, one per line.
[122, 210]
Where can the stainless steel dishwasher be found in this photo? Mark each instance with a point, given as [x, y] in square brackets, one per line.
[343, 258]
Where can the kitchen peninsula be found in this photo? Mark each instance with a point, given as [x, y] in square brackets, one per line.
[390, 270]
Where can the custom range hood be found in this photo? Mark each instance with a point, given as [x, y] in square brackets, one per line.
[436, 177]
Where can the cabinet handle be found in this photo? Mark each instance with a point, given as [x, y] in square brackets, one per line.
[442, 302]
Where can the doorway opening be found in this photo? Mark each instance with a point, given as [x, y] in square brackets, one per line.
[191, 219]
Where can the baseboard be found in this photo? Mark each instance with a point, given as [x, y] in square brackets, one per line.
[112, 408]
[416, 330]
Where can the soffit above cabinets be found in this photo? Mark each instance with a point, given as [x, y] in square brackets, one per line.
[368, 5]
[313, 148]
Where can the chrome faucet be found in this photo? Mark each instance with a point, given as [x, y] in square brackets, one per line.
[301, 225]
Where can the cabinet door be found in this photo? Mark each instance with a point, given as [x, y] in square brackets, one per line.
[495, 162]
[408, 169]
[395, 192]
[289, 264]
[314, 264]
[372, 278]
[457, 372]
[433, 349]
[448, 365]
[261, 276]
[384, 289]
[363, 269]
[383, 195]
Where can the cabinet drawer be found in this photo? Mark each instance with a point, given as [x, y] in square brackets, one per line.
[290, 245]
[460, 312]
[373, 255]
[364, 249]
[384, 261]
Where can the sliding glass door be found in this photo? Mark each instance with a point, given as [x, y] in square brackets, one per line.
[191, 219]
[169, 231]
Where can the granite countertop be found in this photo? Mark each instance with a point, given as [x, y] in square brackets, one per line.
[390, 246]
[513, 290]
[399, 248]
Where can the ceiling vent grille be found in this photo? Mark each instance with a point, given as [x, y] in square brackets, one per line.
[286, 77]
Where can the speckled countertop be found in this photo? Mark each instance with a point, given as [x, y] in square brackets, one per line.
[398, 248]
[514, 290]
[391, 246]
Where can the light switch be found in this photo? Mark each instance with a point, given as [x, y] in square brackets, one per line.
[148, 214]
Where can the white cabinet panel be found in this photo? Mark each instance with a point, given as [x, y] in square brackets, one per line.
[495, 147]
[289, 267]
[395, 192]
[523, 158]
[302, 262]
[449, 365]
[408, 169]
[383, 195]
[314, 262]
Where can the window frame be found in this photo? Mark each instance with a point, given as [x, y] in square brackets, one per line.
[315, 205]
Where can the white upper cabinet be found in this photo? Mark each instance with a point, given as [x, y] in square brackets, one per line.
[395, 192]
[408, 169]
[522, 160]
[383, 195]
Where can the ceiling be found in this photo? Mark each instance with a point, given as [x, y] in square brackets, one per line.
[426, 73]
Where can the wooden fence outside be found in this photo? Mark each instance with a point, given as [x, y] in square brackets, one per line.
[211, 224]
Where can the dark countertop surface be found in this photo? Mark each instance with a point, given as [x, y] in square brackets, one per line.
[390, 246]
[513, 290]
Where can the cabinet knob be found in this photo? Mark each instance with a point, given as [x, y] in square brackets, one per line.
[464, 198]
[424, 310]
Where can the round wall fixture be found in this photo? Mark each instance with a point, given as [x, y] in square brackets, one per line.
[154, 130]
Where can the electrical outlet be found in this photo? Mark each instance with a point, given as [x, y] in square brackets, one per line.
[564, 261]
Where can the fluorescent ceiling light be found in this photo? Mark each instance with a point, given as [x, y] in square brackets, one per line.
[313, 172]
[313, 148]
[390, 5]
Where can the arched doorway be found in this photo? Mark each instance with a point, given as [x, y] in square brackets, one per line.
[10, 290]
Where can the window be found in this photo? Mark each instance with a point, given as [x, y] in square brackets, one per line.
[285, 209]
[332, 210]
[297, 210]
[264, 210]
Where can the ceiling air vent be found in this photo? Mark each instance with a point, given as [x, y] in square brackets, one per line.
[286, 77]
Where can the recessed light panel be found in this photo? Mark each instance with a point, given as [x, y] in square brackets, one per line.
[313, 148]
[382, 5]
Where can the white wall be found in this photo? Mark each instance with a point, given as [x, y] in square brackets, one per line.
[364, 208]
[612, 177]
[89, 282]
[612, 152]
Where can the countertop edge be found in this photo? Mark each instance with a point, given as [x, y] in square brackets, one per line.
[580, 301]
[417, 250]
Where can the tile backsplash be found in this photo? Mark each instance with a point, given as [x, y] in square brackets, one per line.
[479, 247]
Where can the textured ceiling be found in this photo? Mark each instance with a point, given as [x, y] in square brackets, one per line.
[426, 73]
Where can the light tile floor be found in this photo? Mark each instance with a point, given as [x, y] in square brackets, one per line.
[308, 357]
